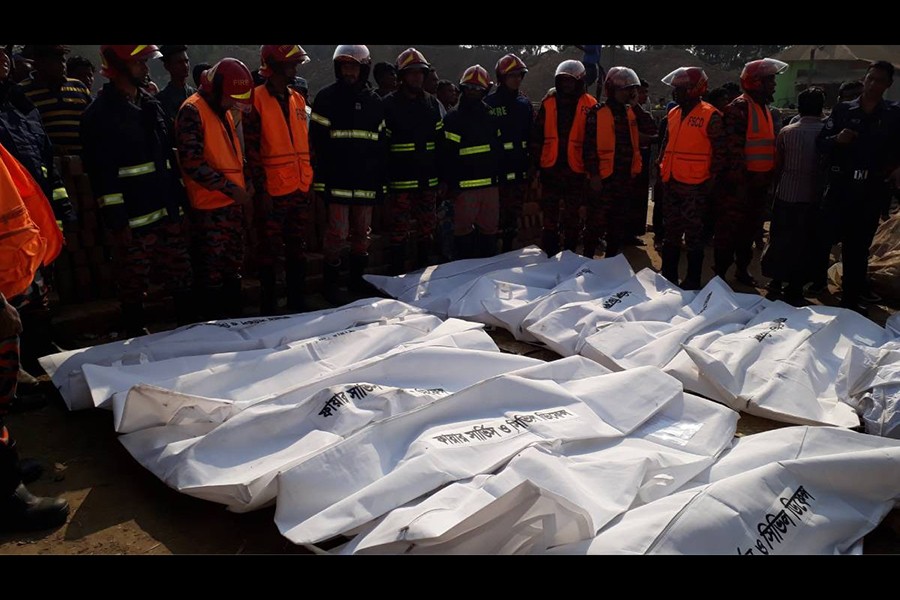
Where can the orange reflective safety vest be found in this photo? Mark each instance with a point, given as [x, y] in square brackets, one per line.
[759, 148]
[688, 153]
[23, 242]
[284, 150]
[223, 155]
[550, 151]
[606, 141]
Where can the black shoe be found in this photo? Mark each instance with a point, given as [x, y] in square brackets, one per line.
[30, 470]
[743, 276]
[23, 403]
[870, 297]
[23, 511]
[816, 289]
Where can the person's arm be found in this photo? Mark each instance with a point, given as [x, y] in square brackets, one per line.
[10, 323]
[190, 143]
[734, 121]
[716, 131]
[537, 139]
[59, 197]
[589, 149]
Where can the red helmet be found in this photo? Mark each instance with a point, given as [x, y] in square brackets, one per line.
[476, 75]
[620, 78]
[114, 58]
[571, 68]
[412, 59]
[691, 79]
[508, 65]
[236, 82]
[756, 70]
[290, 53]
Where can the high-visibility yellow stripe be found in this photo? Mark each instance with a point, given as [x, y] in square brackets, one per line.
[358, 134]
[137, 49]
[110, 199]
[440, 125]
[452, 136]
[44, 171]
[432, 182]
[60, 193]
[429, 145]
[137, 170]
[524, 144]
[404, 185]
[403, 147]
[36, 92]
[153, 217]
[180, 211]
[508, 146]
[59, 224]
[319, 187]
[510, 176]
[244, 96]
[75, 100]
[353, 194]
[320, 119]
[44, 102]
[474, 150]
[168, 164]
[470, 183]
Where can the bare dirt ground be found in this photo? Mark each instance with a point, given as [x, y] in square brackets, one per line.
[117, 507]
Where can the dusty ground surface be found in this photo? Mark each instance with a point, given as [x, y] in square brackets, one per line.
[117, 507]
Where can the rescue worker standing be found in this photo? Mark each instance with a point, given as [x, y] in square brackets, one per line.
[131, 166]
[612, 159]
[23, 135]
[24, 243]
[861, 143]
[557, 146]
[470, 158]
[693, 154]
[349, 151]
[515, 115]
[412, 125]
[212, 162]
[750, 136]
[276, 138]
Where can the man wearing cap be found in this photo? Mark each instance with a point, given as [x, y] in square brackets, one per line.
[175, 60]
[132, 168]
[61, 100]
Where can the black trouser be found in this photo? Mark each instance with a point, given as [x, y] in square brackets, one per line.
[788, 255]
[850, 213]
[9, 460]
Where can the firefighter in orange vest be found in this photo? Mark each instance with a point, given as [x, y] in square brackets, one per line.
[612, 158]
[212, 162]
[276, 138]
[750, 137]
[693, 154]
[29, 238]
[557, 144]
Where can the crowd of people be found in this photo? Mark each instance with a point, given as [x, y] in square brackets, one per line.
[187, 176]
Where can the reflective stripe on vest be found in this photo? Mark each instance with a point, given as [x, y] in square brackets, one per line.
[366, 194]
[110, 200]
[222, 155]
[408, 147]
[688, 152]
[284, 146]
[473, 183]
[474, 150]
[759, 148]
[550, 151]
[60, 194]
[153, 217]
[606, 141]
[135, 170]
[358, 134]
[320, 119]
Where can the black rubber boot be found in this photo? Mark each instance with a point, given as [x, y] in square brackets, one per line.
[671, 255]
[330, 283]
[694, 270]
[185, 303]
[465, 246]
[36, 339]
[268, 302]
[550, 243]
[507, 240]
[357, 285]
[23, 511]
[134, 320]
[233, 297]
[722, 260]
[423, 253]
[487, 245]
[295, 282]
[397, 257]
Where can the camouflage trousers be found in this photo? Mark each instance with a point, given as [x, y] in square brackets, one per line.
[608, 214]
[347, 223]
[283, 231]
[157, 253]
[36, 297]
[738, 215]
[217, 243]
[403, 207]
[476, 208]
[512, 201]
[684, 208]
[9, 371]
[561, 201]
